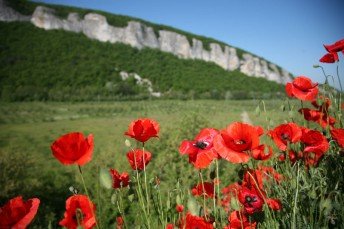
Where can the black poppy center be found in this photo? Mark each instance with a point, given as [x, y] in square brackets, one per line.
[201, 144]
[239, 142]
[285, 136]
[250, 199]
[79, 215]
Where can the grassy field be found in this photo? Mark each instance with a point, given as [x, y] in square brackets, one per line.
[27, 130]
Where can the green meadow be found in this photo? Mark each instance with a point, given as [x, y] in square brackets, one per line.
[28, 129]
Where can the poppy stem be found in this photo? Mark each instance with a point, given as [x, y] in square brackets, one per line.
[218, 187]
[145, 177]
[339, 98]
[86, 191]
[296, 196]
[204, 193]
[139, 191]
[121, 208]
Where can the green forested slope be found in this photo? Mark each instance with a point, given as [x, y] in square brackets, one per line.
[57, 65]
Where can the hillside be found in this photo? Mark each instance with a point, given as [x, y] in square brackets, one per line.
[38, 64]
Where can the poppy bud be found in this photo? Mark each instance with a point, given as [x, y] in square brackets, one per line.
[179, 208]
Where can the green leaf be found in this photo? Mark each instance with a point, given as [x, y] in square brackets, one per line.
[105, 178]
[234, 204]
[193, 206]
[114, 198]
[131, 197]
[178, 200]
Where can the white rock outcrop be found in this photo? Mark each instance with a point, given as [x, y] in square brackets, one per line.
[138, 35]
[8, 14]
[143, 82]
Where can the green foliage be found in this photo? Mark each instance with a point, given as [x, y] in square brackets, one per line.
[57, 65]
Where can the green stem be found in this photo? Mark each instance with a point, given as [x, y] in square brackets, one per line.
[296, 196]
[145, 177]
[218, 187]
[139, 191]
[204, 193]
[121, 208]
[86, 191]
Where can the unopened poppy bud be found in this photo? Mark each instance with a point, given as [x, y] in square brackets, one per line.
[127, 143]
[316, 66]
[179, 208]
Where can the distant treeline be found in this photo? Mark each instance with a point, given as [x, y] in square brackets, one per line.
[57, 65]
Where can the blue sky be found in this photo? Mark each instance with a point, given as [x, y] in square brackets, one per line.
[289, 33]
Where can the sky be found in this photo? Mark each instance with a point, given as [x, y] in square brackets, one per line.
[289, 33]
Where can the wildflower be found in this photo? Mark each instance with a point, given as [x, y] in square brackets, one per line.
[338, 136]
[236, 142]
[259, 153]
[193, 222]
[120, 222]
[316, 146]
[331, 57]
[338, 46]
[73, 148]
[17, 213]
[238, 220]
[284, 134]
[208, 191]
[201, 151]
[302, 88]
[169, 226]
[119, 180]
[321, 115]
[251, 200]
[143, 129]
[79, 212]
[138, 159]
[179, 208]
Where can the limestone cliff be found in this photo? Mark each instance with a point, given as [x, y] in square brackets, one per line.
[138, 35]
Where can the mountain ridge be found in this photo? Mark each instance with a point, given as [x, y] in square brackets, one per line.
[139, 35]
[60, 65]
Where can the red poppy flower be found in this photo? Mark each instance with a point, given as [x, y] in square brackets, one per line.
[322, 104]
[329, 58]
[201, 151]
[260, 153]
[120, 222]
[269, 173]
[274, 204]
[251, 200]
[317, 116]
[338, 136]
[139, 159]
[316, 146]
[253, 179]
[73, 148]
[79, 209]
[314, 141]
[193, 222]
[143, 129]
[302, 88]
[284, 134]
[119, 180]
[17, 213]
[169, 226]
[197, 190]
[179, 208]
[239, 220]
[336, 47]
[236, 142]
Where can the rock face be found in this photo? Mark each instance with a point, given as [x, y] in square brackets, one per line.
[138, 35]
[8, 14]
[141, 82]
